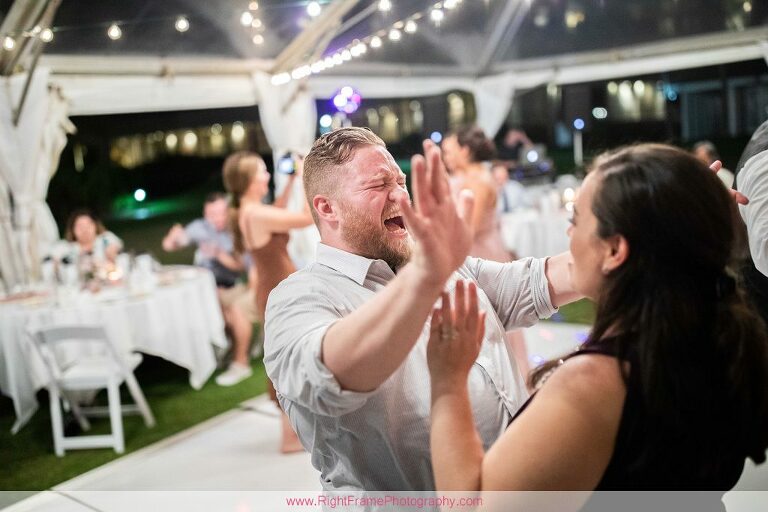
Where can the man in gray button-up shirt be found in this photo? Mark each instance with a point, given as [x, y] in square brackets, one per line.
[346, 337]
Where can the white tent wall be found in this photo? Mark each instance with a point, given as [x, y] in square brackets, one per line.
[119, 94]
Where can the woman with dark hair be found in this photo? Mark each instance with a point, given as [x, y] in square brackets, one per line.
[262, 230]
[670, 390]
[85, 235]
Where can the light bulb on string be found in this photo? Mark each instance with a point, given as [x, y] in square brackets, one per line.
[9, 43]
[385, 5]
[182, 24]
[246, 18]
[258, 39]
[253, 6]
[314, 9]
[410, 27]
[450, 4]
[437, 15]
[281, 79]
[375, 42]
[256, 23]
[114, 32]
[46, 35]
[394, 35]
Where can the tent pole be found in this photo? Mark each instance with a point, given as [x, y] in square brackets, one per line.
[46, 18]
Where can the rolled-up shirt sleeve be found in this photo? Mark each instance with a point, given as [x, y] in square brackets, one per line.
[752, 181]
[518, 291]
[299, 313]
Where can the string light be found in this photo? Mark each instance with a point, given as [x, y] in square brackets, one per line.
[314, 9]
[182, 24]
[254, 6]
[246, 18]
[358, 47]
[258, 39]
[437, 15]
[114, 32]
[9, 43]
[256, 23]
[46, 35]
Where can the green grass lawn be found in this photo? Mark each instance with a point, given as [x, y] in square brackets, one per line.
[580, 312]
[28, 459]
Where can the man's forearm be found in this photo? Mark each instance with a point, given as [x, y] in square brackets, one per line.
[561, 290]
[230, 262]
[364, 348]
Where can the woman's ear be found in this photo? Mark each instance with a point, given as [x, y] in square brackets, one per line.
[616, 253]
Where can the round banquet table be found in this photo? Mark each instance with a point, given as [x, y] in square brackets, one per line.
[179, 320]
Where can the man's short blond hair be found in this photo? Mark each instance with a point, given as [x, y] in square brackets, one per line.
[328, 154]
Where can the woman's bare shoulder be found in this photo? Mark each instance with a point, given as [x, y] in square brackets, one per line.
[580, 376]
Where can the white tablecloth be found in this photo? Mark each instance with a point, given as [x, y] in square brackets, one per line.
[532, 233]
[179, 322]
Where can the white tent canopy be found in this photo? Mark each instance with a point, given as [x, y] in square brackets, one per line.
[480, 48]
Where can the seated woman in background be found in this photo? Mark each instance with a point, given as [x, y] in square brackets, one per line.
[86, 236]
[670, 390]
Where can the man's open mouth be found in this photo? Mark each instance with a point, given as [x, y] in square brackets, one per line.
[394, 223]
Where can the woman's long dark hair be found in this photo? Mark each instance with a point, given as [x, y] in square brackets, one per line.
[701, 351]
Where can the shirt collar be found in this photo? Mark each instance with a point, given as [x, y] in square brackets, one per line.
[352, 265]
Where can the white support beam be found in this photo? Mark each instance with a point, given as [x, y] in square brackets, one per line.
[712, 44]
[112, 65]
[504, 29]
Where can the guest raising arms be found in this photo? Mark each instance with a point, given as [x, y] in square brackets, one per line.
[262, 230]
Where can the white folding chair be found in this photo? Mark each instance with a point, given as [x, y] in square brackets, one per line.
[104, 368]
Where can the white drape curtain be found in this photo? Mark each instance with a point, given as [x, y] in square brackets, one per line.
[289, 117]
[54, 138]
[10, 261]
[29, 155]
[493, 100]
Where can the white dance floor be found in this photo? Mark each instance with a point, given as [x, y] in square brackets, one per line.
[218, 464]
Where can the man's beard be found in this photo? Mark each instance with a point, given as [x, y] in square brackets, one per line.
[369, 239]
